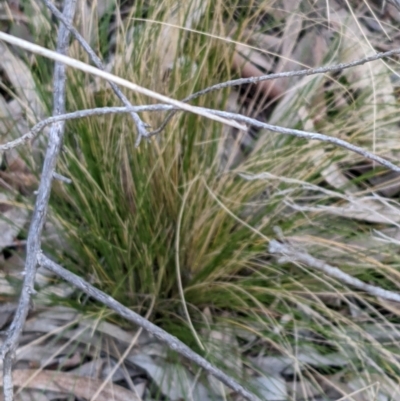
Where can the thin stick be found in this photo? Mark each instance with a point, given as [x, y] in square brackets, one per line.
[133, 317]
[79, 65]
[79, 114]
[35, 231]
[292, 254]
[311, 136]
[286, 74]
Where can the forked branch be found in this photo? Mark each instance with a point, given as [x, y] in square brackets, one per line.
[171, 341]
[41, 205]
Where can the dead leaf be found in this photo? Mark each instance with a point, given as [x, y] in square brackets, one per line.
[21, 80]
[173, 380]
[12, 221]
[67, 383]
[270, 388]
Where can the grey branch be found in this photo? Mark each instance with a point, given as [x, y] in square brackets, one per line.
[79, 114]
[291, 254]
[34, 236]
[133, 317]
[238, 117]
[61, 178]
[311, 136]
[286, 74]
[141, 126]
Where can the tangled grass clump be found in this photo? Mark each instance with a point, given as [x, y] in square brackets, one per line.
[179, 227]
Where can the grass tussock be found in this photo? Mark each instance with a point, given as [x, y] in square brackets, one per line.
[179, 227]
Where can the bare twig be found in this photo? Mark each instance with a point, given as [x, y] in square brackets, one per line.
[141, 126]
[311, 136]
[34, 236]
[293, 255]
[133, 317]
[286, 74]
[238, 117]
[79, 65]
[79, 114]
[61, 178]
